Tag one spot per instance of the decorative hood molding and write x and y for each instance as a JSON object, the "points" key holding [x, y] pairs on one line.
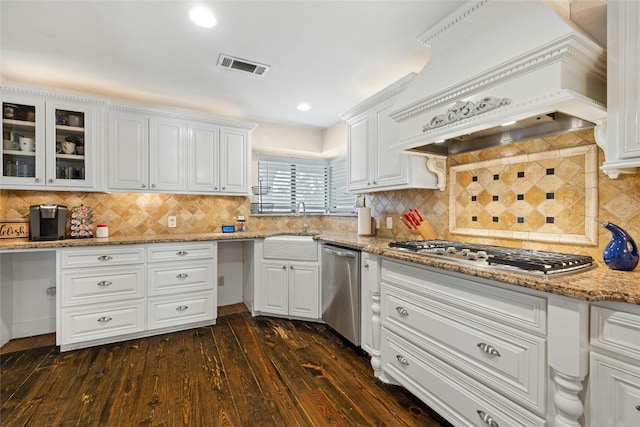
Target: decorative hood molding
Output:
{"points": [[494, 62]]}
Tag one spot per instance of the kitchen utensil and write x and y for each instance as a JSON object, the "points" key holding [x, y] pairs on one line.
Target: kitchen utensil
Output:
{"points": [[413, 219], [622, 252], [10, 111]]}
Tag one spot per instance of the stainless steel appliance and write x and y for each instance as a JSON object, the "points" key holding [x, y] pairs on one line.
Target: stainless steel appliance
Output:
{"points": [[47, 222], [498, 257], [341, 291]]}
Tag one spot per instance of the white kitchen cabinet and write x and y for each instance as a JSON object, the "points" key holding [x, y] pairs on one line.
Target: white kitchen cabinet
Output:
{"points": [[370, 304], [235, 161], [615, 365], [151, 152], [65, 132], [290, 289], [622, 143], [372, 165]]}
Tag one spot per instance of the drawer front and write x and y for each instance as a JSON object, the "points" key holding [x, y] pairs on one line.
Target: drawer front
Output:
{"points": [[102, 321], [102, 285], [77, 258], [171, 252], [473, 295], [179, 310], [180, 277], [616, 331], [513, 364], [458, 398]]}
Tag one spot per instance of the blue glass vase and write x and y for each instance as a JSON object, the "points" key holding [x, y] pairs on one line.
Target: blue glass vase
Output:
{"points": [[622, 252]]}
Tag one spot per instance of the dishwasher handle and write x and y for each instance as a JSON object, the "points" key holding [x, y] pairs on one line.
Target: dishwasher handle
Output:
{"points": [[340, 253]]}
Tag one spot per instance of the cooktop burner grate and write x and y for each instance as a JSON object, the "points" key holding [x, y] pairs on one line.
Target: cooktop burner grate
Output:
{"points": [[497, 256]]}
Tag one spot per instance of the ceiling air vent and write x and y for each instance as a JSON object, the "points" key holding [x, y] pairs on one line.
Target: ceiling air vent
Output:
{"points": [[237, 64]]}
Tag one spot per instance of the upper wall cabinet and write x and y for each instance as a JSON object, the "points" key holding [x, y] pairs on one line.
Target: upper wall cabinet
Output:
{"points": [[372, 165], [622, 143], [170, 153], [50, 141]]}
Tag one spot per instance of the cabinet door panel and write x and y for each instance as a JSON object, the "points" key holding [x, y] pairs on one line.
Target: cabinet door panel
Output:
{"points": [[615, 392], [204, 172], [303, 290], [128, 150], [358, 154], [166, 151], [234, 161], [275, 288], [390, 166]]}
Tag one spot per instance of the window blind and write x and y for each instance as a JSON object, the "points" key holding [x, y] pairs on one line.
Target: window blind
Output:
{"points": [[340, 200]]}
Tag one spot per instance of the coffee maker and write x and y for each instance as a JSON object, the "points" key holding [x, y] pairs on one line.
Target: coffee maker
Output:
{"points": [[47, 222]]}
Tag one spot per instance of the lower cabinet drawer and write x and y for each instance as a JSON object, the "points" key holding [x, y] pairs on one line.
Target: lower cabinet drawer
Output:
{"points": [[172, 310], [510, 363], [180, 277], [458, 398], [102, 321], [85, 286], [101, 257]]}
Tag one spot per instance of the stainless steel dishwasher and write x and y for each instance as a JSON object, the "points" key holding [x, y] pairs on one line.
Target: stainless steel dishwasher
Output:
{"points": [[341, 291]]}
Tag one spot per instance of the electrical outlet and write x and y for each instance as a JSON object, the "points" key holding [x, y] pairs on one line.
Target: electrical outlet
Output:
{"points": [[377, 223], [51, 292], [389, 223], [171, 222], [220, 280]]}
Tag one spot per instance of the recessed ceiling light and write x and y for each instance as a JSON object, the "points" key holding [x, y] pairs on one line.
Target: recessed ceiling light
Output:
{"points": [[304, 107], [508, 123], [202, 16], [439, 141]]}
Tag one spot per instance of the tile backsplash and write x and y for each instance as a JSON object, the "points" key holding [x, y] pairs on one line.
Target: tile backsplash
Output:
{"points": [[146, 214]]}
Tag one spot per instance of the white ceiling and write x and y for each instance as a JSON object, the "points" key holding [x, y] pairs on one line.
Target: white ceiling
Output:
{"points": [[330, 54]]}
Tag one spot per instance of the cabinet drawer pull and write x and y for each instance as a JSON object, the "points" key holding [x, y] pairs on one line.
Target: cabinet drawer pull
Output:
{"points": [[637, 407], [182, 276], [402, 311], [105, 319], [284, 267], [105, 258], [182, 253], [104, 283], [487, 419], [182, 307], [402, 360], [153, 186], [366, 266], [37, 179], [489, 349]]}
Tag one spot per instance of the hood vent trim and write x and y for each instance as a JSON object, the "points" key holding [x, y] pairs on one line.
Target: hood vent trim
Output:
{"points": [[228, 62], [555, 70]]}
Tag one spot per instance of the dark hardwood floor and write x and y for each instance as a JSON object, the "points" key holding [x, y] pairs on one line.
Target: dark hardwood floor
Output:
{"points": [[243, 371]]}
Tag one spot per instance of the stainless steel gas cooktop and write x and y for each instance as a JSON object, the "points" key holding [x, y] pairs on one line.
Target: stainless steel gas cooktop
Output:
{"points": [[498, 257]]}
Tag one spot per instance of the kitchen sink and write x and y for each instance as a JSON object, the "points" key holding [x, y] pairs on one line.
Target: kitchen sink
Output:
{"points": [[291, 246]]}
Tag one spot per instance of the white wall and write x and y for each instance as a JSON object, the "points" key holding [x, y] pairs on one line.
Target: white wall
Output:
{"points": [[6, 298], [334, 140]]}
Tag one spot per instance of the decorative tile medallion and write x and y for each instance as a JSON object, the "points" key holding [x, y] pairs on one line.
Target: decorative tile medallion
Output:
{"points": [[550, 196]]}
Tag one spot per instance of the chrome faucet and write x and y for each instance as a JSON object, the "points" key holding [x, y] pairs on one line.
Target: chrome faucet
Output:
{"points": [[304, 218]]}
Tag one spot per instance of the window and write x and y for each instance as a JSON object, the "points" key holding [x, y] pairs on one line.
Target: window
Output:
{"points": [[320, 184]]}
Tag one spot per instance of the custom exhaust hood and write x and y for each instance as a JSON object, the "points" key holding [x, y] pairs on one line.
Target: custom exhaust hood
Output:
{"points": [[501, 72]]}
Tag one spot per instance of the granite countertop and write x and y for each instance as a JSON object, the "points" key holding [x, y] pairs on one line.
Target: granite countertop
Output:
{"points": [[597, 284]]}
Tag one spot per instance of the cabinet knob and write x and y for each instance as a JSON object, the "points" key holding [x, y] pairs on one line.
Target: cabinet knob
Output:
{"points": [[50, 180], [104, 283], [366, 266], [489, 349], [291, 267], [105, 258], [487, 419], [374, 183], [215, 188], [37, 179], [402, 311], [182, 276], [637, 407], [402, 360], [153, 186], [224, 188], [182, 307], [284, 267], [105, 319], [144, 185]]}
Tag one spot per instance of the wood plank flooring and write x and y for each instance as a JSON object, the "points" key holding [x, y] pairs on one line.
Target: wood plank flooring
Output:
{"points": [[243, 371]]}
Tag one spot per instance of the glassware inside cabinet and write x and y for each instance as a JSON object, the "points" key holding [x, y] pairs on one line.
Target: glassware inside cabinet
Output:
{"points": [[18, 140], [70, 139]]}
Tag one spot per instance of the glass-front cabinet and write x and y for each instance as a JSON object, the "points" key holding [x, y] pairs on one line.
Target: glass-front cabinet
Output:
{"points": [[47, 142]]}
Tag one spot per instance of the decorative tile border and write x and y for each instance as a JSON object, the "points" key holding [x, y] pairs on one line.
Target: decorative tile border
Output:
{"points": [[548, 197]]}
